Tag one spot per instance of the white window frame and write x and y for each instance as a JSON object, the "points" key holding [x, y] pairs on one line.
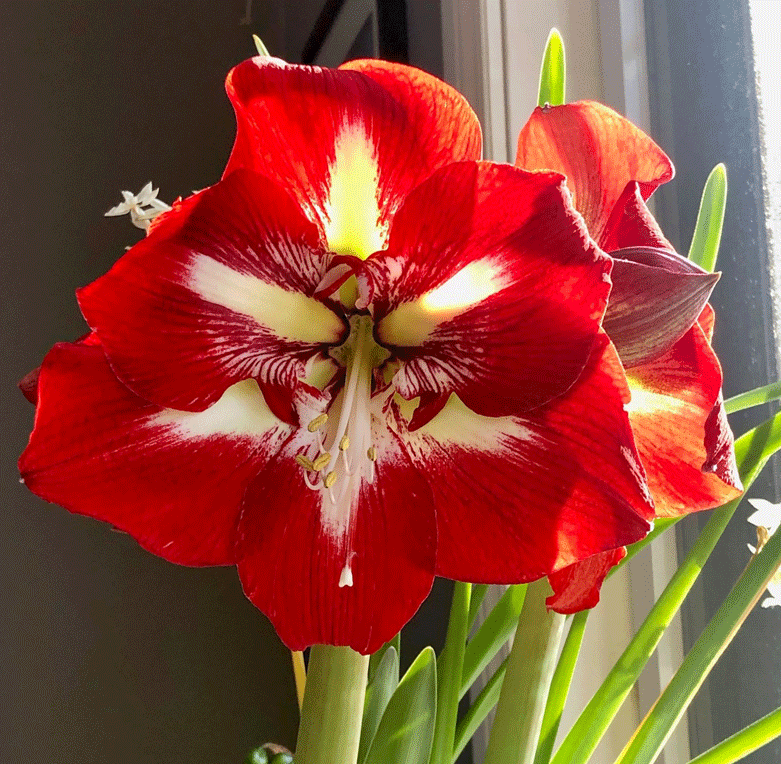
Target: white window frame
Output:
{"points": [[491, 53]]}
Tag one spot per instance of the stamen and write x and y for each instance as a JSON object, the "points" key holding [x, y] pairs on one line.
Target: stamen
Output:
{"points": [[372, 453], [346, 578], [321, 461], [315, 486], [317, 423], [346, 463], [344, 443], [329, 479], [306, 463]]}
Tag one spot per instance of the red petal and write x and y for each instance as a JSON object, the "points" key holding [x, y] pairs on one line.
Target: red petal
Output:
{"points": [[681, 431], [490, 288], [598, 150], [707, 320], [520, 497], [577, 586], [291, 566], [348, 144], [632, 224], [173, 480], [28, 384], [218, 292], [657, 296]]}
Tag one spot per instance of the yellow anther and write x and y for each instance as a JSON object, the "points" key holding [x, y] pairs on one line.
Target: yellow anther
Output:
{"points": [[305, 462], [344, 443], [317, 423], [321, 461], [329, 479], [372, 453]]}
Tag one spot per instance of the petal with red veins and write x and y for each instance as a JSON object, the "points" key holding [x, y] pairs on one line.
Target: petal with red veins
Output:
{"points": [[220, 291], [682, 435], [173, 480], [357, 589], [657, 296], [520, 497], [490, 288], [349, 144], [631, 224], [598, 150], [577, 586]]}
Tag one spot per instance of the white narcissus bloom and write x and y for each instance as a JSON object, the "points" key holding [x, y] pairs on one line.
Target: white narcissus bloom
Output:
{"points": [[767, 518]]}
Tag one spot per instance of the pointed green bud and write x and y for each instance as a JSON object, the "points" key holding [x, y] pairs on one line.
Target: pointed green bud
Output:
{"points": [[553, 71], [707, 232], [262, 49]]}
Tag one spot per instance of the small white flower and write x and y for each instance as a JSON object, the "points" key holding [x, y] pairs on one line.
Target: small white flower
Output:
{"points": [[767, 518], [135, 204]]}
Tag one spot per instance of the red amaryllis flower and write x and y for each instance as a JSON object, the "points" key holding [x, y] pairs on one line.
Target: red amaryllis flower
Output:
{"points": [[361, 359], [657, 318]]}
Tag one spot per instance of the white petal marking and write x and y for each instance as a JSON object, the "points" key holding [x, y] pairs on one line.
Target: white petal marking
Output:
{"points": [[413, 322], [353, 224], [241, 412], [289, 315], [457, 425]]}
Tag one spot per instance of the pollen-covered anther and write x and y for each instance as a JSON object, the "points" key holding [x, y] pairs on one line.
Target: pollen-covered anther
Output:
{"points": [[344, 443], [321, 461], [372, 453], [329, 479], [317, 423], [306, 463]]}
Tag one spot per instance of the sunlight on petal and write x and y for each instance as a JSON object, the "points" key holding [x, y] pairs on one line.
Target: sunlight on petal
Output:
{"points": [[413, 322], [353, 225]]}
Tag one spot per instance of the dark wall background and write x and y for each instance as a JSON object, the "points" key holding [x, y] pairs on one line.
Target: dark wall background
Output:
{"points": [[108, 654]]}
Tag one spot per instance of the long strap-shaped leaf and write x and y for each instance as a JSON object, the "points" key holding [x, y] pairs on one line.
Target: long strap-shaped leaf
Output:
{"points": [[407, 726], [753, 450], [755, 397], [741, 744], [661, 720]]}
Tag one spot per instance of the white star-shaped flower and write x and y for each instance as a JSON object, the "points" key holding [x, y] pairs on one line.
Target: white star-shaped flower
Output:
{"points": [[143, 206], [767, 518]]}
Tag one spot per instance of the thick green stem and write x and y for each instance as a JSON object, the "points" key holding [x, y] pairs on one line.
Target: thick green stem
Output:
{"points": [[562, 679], [449, 669], [333, 706], [525, 688]]}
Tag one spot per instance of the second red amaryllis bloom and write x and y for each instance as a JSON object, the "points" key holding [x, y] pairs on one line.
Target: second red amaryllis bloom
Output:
{"points": [[361, 359], [657, 317]]}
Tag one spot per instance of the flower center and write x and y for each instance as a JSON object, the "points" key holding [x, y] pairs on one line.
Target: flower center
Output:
{"points": [[346, 452]]}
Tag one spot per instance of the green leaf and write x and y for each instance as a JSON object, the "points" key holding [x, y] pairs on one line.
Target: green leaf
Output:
{"points": [[552, 71], [559, 689], [671, 705], [752, 451], [376, 658], [262, 49], [450, 669], [478, 595], [755, 397], [707, 232], [406, 730], [497, 628], [378, 694], [484, 703], [741, 744]]}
